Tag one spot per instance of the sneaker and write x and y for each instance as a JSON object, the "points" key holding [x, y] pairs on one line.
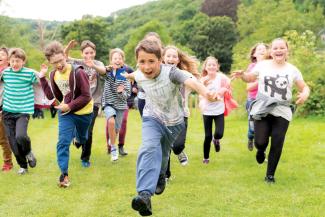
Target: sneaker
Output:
{"points": [[250, 145], [64, 181], [31, 159], [85, 163], [121, 150], [76, 143], [183, 159], [205, 161], [216, 143], [161, 184], [114, 154], [22, 171], [7, 167], [142, 203], [260, 156], [269, 179]]}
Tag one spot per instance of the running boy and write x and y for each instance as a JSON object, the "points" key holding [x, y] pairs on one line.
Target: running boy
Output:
{"points": [[162, 119], [70, 86]]}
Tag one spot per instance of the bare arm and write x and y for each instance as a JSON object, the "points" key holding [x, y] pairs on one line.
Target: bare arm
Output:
{"points": [[252, 85], [70, 45], [304, 92], [245, 76], [201, 89]]}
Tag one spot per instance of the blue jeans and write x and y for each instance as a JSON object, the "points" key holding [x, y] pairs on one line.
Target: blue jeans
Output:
{"points": [[157, 140], [250, 132], [70, 126]]}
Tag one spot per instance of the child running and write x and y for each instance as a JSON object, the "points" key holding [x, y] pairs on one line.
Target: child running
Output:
{"points": [[272, 110], [70, 86], [7, 158], [162, 120], [215, 112], [18, 105]]}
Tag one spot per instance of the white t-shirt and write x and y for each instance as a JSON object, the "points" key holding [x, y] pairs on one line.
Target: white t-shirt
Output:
{"points": [[276, 82]]}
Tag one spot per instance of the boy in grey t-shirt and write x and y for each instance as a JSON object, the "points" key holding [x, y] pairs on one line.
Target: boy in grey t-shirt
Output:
{"points": [[162, 119]]}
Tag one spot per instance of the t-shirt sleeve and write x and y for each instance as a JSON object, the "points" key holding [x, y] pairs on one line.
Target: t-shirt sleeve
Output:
{"points": [[256, 69], [178, 76], [297, 76]]}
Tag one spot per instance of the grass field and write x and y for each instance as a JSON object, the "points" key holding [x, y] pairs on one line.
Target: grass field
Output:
{"points": [[231, 185]]}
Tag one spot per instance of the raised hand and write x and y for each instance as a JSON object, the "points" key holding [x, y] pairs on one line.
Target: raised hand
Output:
{"points": [[43, 70], [89, 62], [237, 74]]}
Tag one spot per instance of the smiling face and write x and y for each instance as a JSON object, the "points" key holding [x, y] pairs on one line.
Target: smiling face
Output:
{"points": [[88, 53], [4, 61], [16, 63], [171, 57], [117, 60], [149, 64], [279, 51], [260, 52], [58, 61], [212, 66]]}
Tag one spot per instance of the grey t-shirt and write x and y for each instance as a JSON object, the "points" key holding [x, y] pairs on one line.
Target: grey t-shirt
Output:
{"points": [[275, 83], [162, 94], [96, 81]]}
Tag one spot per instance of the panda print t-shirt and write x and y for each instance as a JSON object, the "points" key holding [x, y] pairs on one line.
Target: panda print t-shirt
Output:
{"points": [[276, 82]]}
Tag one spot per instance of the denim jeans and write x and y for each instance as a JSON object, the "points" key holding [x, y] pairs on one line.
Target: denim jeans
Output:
{"points": [[70, 126], [157, 140]]}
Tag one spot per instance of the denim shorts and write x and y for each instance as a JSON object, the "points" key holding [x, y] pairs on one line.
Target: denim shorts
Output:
{"points": [[116, 113]]}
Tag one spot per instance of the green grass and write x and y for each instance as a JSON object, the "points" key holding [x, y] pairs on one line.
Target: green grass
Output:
{"points": [[231, 185]]}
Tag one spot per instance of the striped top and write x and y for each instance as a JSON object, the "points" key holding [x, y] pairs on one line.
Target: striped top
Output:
{"points": [[18, 94]]}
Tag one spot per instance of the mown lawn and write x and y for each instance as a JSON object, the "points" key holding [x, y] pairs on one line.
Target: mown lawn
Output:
{"points": [[231, 185]]}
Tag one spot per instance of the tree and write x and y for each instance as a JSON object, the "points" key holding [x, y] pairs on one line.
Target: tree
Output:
{"points": [[220, 8]]}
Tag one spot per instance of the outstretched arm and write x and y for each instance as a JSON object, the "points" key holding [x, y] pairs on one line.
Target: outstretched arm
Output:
{"points": [[70, 45], [201, 89], [245, 76], [304, 92]]}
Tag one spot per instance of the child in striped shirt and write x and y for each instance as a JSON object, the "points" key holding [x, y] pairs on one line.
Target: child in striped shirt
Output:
{"points": [[18, 105]]}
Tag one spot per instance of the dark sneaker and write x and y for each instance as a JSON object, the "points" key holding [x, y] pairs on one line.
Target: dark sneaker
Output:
{"points": [[269, 179], [31, 159], [183, 159], [161, 184], [121, 150], [216, 143], [260, 156], [64, 181], [76, 143], [205, 161], [142, 203], [85, 163], [250, 145]]}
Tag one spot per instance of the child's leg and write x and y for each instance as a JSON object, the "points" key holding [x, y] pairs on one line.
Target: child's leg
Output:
{"points": [[5, 144], [66, 134], [219, 122], [262, 133], [122, 132], [179, 144], [86, 147], [149, 156], [207, 121], [22, 138], [141, 104], [82, 123], [10, 127], [110, 114], [279, 130]]}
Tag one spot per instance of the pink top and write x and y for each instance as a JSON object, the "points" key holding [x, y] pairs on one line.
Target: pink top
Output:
{"points": [[251, 94]]}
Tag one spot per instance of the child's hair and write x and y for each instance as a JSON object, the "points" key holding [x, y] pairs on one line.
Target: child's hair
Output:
{"points": [[53, 48], [253, 50], [17, 53], [153, 36], [116, 50], [186, 62], [148, 46], [87, 43], [280, 39], [204, 71], [5, 50]]}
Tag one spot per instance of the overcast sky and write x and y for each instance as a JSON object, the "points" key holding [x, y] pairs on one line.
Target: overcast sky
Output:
{"points": [[63, 10]]}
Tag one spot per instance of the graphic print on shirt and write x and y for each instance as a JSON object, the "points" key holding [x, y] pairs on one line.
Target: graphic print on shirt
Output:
{"points": [[278, 84]]}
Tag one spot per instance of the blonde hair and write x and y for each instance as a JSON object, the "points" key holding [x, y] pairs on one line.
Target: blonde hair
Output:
{"points": [[17, 53], [116, 50], [204, 71], [186, 62], [253, 50]]}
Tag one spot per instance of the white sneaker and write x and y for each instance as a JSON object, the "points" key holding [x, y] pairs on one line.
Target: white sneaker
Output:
{"points": [[22, 171], [183, 159], [114, 154]]}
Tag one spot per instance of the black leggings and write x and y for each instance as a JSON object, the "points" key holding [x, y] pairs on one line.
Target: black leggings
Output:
{"points": [[276, 128], [219, 122]]}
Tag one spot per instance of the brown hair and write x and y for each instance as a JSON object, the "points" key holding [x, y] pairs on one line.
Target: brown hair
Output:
{"points": [[148, 46], [4, 49], [17, 53], [253, 50], [204, 71], [116, 50], [53, 48], [87, 43], [153, 36], [280, 39], [186, 62]]}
